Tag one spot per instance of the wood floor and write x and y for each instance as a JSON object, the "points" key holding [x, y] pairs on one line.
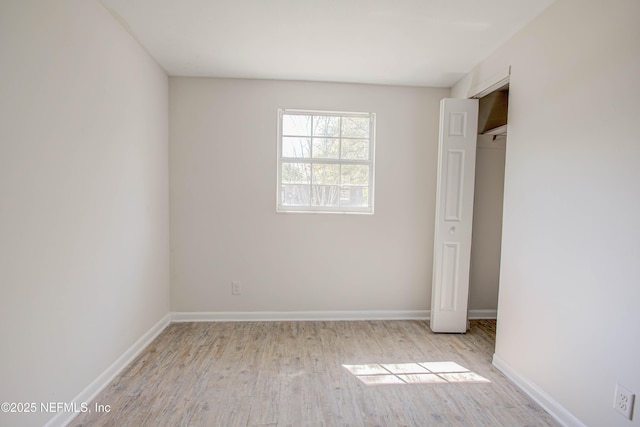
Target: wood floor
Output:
{"points": [[294, 374]]}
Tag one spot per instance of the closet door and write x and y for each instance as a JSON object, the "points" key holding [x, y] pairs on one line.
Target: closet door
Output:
{"points": [[454, 215]]}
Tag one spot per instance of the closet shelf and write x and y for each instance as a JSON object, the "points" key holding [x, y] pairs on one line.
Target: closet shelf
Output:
{"points": [[500, 130]]}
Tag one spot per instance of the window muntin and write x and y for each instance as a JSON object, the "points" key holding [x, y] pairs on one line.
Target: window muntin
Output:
{"points": [[325, 161]]}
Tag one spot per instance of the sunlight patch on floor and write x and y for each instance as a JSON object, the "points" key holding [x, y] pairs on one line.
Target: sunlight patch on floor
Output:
{"points": [[414, 373]]}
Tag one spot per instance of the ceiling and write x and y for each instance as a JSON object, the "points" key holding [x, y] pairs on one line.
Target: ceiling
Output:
{"points": [[396, 42]]}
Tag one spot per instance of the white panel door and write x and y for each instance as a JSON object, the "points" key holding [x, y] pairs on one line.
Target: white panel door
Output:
{"points": [[454, 214]]}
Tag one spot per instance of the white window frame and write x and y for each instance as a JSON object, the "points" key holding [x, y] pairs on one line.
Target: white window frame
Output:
{"points": [[281, 208]]}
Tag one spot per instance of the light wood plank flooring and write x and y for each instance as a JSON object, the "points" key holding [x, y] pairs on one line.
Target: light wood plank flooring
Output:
{"points": [[293, 374]]}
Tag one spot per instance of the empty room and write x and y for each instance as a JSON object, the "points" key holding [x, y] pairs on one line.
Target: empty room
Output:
{"points": [[319, 213]]}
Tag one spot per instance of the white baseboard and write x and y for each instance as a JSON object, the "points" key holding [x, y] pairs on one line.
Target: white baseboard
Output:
{"points": [[97, 385], [247, 316], [549, 404], [483, 314]]}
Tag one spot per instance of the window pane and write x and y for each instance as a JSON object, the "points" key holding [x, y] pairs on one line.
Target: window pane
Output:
{"points": [[326, 126], [325, 195], [326, 174], [355, 149], [296, 173], [325, 161], [355, 127], [354, 197], [295, 195], [326, 148], [296, 147], [355, 175], [294, 124]]}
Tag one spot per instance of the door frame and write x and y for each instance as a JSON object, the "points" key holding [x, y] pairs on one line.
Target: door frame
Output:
{"points": [[495, 82]]}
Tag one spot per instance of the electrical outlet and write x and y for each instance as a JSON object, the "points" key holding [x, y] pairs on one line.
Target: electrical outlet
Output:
{"points": [[624, 401], [236, 288]]}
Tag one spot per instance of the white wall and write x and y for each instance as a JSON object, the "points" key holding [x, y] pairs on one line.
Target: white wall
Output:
{"points": [[223, 196], [484, 274], [569, 305], [84, 249]]}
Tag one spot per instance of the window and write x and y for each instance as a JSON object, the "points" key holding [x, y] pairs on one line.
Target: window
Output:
{"points": [[325, 161]]}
